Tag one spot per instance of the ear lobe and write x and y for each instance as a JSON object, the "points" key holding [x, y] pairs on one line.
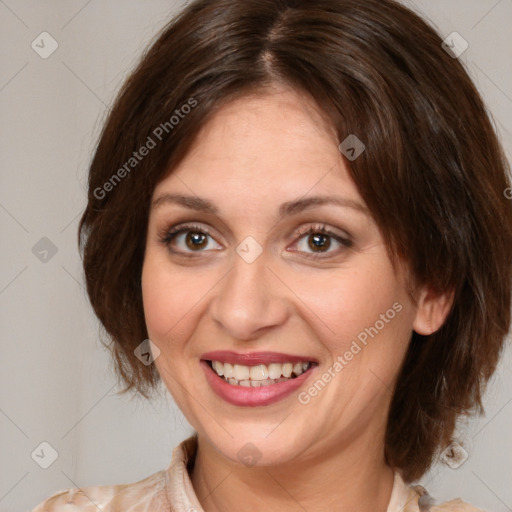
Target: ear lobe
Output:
{"points": [[433, 308]]}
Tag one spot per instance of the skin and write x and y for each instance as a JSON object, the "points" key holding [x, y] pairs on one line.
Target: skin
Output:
{"points": [[256, 153]]}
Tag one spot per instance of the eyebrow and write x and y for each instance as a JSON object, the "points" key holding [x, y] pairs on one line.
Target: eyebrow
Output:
{"points": [[286, 209]]}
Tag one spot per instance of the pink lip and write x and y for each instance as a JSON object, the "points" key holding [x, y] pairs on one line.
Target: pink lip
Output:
{"points": [[253, 397], [254, 358]]}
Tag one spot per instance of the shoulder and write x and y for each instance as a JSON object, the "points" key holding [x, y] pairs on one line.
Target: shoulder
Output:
{"points": [[147, 494], [456, 505], [424, 502]]}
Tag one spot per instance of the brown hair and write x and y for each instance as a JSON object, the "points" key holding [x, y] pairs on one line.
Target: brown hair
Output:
{"points": [[433, 175]]}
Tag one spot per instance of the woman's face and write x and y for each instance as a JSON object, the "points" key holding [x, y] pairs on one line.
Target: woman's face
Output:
{"points": [[275, 257]]}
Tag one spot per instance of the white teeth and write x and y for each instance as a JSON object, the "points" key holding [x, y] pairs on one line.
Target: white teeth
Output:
{"points": [[241, 372], [287, 369], [228, 370], [259, 375], [259, 372], [218, 367], [297, 368], [274, 370]]}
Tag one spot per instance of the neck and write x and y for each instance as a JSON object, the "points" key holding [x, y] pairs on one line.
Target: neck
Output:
{"points": [[342, 479]]}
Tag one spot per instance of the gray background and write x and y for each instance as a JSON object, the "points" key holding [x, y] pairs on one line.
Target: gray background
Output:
{"points": [[56, 381]]}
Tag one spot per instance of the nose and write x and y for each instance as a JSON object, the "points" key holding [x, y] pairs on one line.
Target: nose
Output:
{"points": [[250, 300]]}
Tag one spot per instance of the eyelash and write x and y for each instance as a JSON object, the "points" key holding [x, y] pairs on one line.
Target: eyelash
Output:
{"points": [[168, 235], [321, 229]]}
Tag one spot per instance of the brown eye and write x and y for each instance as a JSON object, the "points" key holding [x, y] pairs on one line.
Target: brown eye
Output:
{"points": [[196, 240], [188, 239], [319, 242]]}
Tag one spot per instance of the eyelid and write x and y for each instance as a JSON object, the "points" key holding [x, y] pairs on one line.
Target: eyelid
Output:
{"points": [[167, 234], [322, 228], [345, 240]]}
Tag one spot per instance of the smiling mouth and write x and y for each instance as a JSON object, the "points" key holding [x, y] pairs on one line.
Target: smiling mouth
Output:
{"points": [[259, 375]]}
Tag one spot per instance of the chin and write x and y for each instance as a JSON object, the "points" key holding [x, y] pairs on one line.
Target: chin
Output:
{"points": [[257, 446]]}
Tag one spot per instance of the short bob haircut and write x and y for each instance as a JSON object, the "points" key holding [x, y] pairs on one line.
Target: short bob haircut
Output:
{"points": [[433, 176]]}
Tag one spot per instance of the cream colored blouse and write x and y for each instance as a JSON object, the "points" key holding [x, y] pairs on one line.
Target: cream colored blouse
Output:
{"points": [[171, 490]]}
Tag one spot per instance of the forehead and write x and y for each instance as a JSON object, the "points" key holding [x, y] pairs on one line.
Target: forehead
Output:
{"points": [[274, 140]]}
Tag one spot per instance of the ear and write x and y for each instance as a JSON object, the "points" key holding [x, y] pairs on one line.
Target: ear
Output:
{"points": [[433, 308]]}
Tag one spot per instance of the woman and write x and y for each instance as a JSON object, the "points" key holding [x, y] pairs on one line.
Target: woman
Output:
{"points": [[302, 205]]}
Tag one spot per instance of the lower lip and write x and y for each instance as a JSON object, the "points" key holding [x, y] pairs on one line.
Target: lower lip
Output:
{"points": [[253, 397]]}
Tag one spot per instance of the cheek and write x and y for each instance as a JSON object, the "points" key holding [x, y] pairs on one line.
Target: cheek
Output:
{"points": [[168, 298], [347, 301]]}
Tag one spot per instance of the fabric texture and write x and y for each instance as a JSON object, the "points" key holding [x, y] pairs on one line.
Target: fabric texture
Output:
{"points": [[171, 490]]}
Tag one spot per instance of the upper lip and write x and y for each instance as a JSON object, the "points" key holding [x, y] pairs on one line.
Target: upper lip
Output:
{"points": [[254, 358]]}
